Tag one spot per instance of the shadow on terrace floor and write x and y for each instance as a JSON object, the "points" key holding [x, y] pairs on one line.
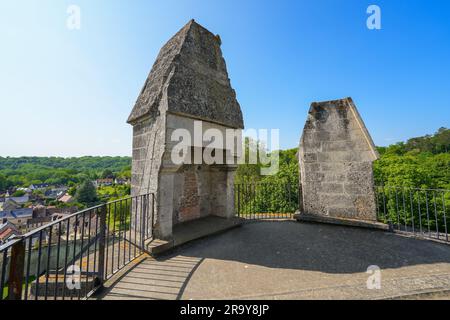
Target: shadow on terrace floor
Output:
{"points": [[317, 247], [254, 257], [150, 279]]}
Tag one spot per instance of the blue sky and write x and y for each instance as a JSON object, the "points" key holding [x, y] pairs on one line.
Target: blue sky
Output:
{"points": [[68, 92]]}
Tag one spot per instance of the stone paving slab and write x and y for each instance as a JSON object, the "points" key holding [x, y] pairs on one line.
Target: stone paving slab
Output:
{"points": [[288, 260], [151, 279]]}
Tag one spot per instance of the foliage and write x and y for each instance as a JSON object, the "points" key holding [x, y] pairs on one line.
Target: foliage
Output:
{"points": [[115, 192], [434, 144], [276, 193], [107, 174], [18, 193], [24, 171], [87, 194], [422, 162]]}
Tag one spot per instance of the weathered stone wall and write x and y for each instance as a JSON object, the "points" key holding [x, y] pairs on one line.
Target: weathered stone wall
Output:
{"points": [[148, 151], [336, 154]]}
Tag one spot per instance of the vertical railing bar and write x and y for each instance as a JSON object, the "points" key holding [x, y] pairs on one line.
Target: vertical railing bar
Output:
{"points": [[404, 209], [16, 270], [289, 195], [58, 251], [47, 273], [252, 197], [38, 266], [239, 200], [102, 244], [412, 210], [120, 231], [445, 216], [384, 203], [66, 256], [86, 291], [113, 238], [420, 212], [377, 202], [153, 213], [428, 213], [74, 246], [108, 227], [247, 196], [83, 222], [246, 201], [149, 218], [94, 268], [130, 241], [257, 214], [27, 276], [144, 220], [436, 215], [135, 223], [124, 232], [390, 218], [3, 277], [141, 223], [397, 209]]}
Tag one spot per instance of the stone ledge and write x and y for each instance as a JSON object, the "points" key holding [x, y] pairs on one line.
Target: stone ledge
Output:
{"points": [[300, 217], [192, 230]]}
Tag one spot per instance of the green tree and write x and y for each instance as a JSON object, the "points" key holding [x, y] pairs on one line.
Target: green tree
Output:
{"points": [[107, 174], [3, 183], [86, 194], [18, 193]]}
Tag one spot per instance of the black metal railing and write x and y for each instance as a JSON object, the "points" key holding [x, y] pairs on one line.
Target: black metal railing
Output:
{"points": [[72, 257], [261, 200], [417, 211]]}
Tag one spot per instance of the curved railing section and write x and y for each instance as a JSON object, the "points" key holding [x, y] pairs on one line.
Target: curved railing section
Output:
{"points": [[72, 257], [417, 211]]}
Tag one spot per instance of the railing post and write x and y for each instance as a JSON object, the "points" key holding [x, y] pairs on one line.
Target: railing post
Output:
{"points": [[102, 246], [16, 269], [153, 215], [239, 200], [300, 198], [144, 220]]}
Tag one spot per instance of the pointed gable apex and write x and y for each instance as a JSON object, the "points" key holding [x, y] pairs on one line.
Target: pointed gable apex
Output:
{"points": [[189, 77]]}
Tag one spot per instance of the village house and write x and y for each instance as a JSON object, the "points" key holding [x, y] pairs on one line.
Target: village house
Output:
{"points": [[55, 193], [7, 231], [66, 198], [90, 225], [26, 190], [9, 204], [120, 181], [18, 217], [39, 186], [20, 200], [103, 182]]}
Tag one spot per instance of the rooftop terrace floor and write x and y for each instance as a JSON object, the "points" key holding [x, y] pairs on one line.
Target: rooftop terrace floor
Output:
{"points": [[289, 260]]}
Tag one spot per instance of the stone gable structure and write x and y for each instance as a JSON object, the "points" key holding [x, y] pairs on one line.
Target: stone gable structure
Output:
{"points": [[336, 154], [188, 83]]}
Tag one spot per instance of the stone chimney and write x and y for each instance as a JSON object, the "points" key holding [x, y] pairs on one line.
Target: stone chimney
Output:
{"points": [[188, 85]]}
